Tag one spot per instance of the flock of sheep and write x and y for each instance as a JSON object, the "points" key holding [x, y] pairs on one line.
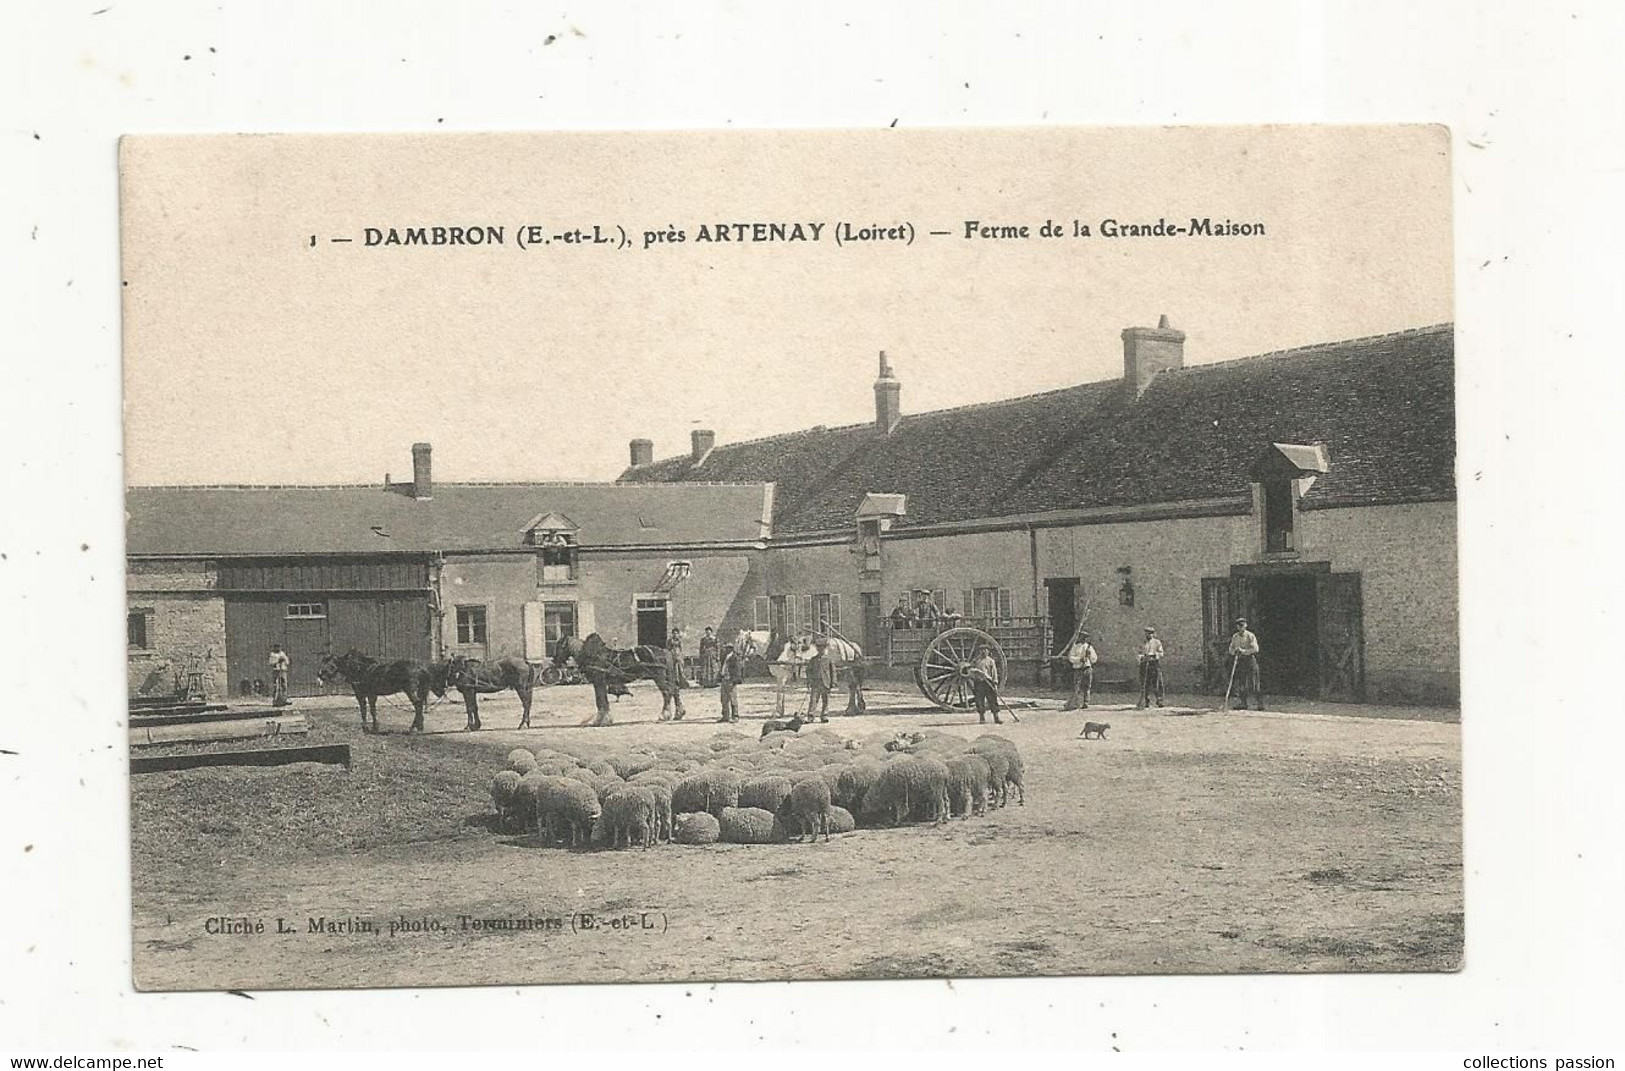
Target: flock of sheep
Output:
{"points": [[742, 791]]}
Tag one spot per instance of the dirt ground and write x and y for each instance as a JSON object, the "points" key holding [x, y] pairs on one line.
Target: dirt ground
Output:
{"points": [[1184, 842]]}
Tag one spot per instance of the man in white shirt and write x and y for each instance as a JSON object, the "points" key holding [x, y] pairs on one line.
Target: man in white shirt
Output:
{"points": [[984, 683], [1081, 656], [1244, 652], [1150, 669], [278, 664]]}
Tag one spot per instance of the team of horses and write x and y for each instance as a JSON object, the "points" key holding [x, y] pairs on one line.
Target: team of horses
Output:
{"points": [[608, 669]]}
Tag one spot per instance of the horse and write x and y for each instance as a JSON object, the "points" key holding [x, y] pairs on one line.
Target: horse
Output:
{"points": [[473, 676], [369, 678], [799, 650], [599, 662]]}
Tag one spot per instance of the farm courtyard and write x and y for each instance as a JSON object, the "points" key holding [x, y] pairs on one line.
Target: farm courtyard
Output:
{"points": [[1327, 838]]}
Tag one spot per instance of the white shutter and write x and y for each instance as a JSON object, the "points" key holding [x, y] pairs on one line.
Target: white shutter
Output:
{"points": [[1004, 604], [809, 619], [584, 620], [764, 613], [535, 634], [834, 609]]}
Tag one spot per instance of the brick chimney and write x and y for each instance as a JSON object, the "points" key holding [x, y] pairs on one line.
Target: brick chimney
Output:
{"points": [[643, 452], [700, 444], [422, 484], [888, 399], [1149, 350]]}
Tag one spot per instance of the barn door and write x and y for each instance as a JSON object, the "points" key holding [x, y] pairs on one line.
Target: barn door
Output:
{"points": [[1341, 612], [1216, 592]]}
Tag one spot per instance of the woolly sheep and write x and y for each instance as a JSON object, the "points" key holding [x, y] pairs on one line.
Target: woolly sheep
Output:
{"points": [[765, 792], [746, 825], [697, 828], [808, 808], [661, 790], [777, 739], [998, 762], [708, 789], [521, 761], [570, 808], [912, 787], [968, 777], [504, 795], [629, 815], [841, 821], [1016, 769], [855, 780]]}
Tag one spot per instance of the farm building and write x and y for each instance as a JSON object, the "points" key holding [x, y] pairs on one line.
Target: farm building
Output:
{"points": [[420, 570], [1310, 490]]}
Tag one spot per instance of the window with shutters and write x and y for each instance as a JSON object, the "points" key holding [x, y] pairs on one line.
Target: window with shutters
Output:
{"points": [[471, 625], [988, 605], [558, 621], [825, 610]]}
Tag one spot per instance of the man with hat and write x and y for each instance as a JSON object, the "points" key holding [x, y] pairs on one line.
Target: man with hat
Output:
{"points": [[820, 680], [1150, 669], [730, 678], [1081, 656], [1244, 653]]}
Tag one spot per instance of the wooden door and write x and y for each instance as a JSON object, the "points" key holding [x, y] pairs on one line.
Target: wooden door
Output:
{"points": [[1341, 612]]}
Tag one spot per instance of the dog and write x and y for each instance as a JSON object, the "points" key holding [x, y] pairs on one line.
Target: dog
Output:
{"points": [[1095, 730]]}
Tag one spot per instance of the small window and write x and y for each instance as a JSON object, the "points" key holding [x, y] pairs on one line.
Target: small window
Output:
{"points": [[558, 621], [764, 613], [1278, 537], [823, 610], [137, 628], [471, 625], [556, 561], [306, 610]]}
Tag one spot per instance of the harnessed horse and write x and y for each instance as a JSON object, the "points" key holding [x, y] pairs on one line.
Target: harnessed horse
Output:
{"points": [[599, 662], [369, 678], [472, 677]]}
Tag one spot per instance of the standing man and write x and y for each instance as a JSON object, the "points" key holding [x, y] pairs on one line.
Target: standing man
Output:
{"points": [[1081, 656], [731, 676], [901, 616], [820, 680], [708, 658], [1244, 650], [279, 664], [984, 685], [674, 674], [926, 614], [1150, 669]]}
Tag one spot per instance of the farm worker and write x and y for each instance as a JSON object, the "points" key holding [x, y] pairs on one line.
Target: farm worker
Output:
{"points": [[708, 658], [674, 674], [1150, 669], [279, 675], [1081, 656], [1244, 650], [731, 677], [950, 617], [820, 680], [927, 612], [901, 616], [984, 685]]}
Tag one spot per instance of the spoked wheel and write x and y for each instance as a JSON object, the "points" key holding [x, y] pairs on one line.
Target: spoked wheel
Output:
{"points": [[944, 672], [552, 675]]}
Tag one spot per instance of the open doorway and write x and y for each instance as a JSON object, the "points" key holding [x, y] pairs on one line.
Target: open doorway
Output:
{"points": [[1287, 626], [653, 630]]}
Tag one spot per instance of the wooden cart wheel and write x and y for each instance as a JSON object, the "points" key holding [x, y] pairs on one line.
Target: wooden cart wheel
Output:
{"points": [[944, 671]]}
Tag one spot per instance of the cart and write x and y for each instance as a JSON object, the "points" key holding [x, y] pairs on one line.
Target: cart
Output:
{"points": [[948, 664]]}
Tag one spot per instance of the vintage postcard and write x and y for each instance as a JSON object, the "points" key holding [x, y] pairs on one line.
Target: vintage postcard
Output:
{"points": [[612, 557]]}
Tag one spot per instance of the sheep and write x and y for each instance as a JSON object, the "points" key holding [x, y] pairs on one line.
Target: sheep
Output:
{"points": [[808, 808], [831, 773], [747, 825], [764, 792], [661, 790], [696, 828], [709, 789], [968, 777], [998, 762], [777, 739], [912, 786], [855, 780], [570, 808], [792, 725], [841, 820], [521, 761], [1016, 769], [504, 794], [629, 815]]}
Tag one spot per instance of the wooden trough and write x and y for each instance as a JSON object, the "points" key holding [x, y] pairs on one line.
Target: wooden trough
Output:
{"points": [[142, 719], [219, 729], [332, 754]]}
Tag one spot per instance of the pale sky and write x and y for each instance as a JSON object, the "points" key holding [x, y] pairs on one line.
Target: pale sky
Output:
{"points": [[253, 358]]}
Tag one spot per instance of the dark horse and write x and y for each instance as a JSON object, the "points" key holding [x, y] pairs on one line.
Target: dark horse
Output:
{"points": [[473, 676], [605, 666], [370, 678]]}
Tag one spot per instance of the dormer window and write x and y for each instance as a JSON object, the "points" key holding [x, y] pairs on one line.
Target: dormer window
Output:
{"points": [[1281, 476], [554, 537]]}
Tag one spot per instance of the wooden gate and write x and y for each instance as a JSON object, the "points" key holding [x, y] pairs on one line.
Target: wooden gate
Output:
{"points": [[1224, 598], [1341, 611]]}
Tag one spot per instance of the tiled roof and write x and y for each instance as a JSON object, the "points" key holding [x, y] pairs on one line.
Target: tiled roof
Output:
{"points": [[459, 517], [1382, 407]]}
